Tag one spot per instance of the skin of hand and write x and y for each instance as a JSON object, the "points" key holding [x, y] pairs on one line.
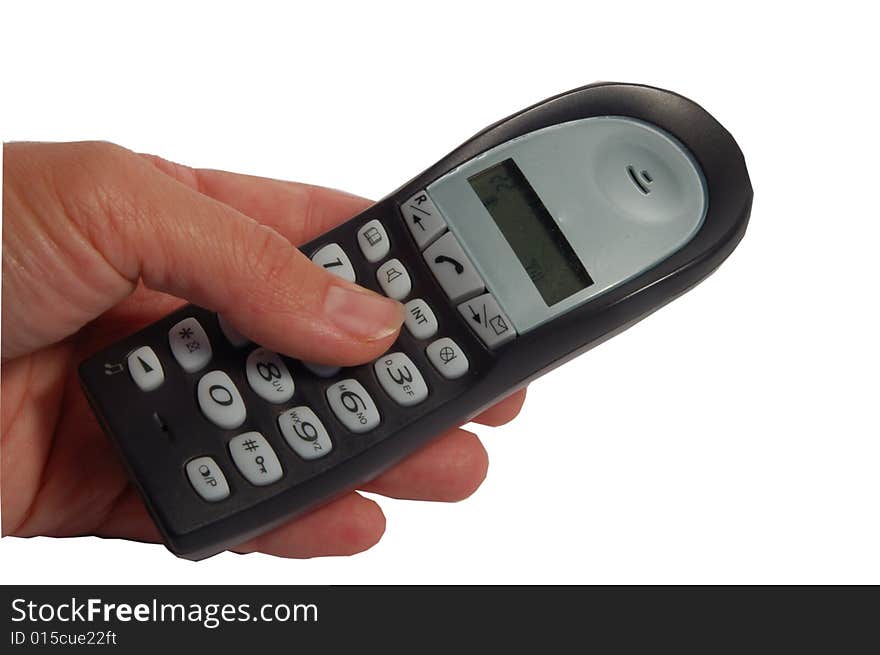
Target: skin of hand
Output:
{"points": [[98, 242]]}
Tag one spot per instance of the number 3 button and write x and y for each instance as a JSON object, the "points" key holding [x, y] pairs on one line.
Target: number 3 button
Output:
{"points": [[220, 400], [268, 376], [401, 379]]}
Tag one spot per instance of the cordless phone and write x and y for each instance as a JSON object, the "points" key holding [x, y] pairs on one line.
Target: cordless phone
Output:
{"points": [[540, 237]]}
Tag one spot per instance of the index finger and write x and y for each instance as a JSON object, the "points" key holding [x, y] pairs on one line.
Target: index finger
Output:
{"points": [[274, 203]]}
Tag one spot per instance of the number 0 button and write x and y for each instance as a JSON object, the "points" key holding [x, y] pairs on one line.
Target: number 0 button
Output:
{"points": [[220, 400], [353, 406], [268, 376]]}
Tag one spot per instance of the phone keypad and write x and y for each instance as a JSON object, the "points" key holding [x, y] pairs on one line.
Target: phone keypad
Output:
{"points": [[314, 429]]}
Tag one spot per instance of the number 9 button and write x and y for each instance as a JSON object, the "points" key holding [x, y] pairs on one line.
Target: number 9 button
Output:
{"points": [[304, 432]]}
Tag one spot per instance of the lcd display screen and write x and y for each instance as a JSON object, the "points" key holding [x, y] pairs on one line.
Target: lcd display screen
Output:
{"points": [[528, 227]]}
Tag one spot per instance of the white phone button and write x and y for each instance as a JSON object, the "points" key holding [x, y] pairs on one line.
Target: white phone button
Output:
{"points": [[452, 268], [322, 370], [220, 400], [233, 336], [485, 317], [146, 369], [255, 459], [268, 376], [448, 358], [207, 479], [353, 406], [333, 258], [420, 319], [373, 241], [304, 432], [401, 379], [190, 345], [423, 218], [394, 279]]}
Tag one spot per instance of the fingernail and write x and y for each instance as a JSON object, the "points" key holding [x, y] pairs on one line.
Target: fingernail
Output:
{"points": [[362, 313]]}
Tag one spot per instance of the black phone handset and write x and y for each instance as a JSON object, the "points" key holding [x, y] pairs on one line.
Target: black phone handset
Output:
{"points": [[540, 237]]}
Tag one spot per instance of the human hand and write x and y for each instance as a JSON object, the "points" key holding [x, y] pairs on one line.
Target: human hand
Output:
{"points": [[99, 242]]}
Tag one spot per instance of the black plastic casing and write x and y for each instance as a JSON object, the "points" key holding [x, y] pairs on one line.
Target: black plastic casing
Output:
{"points": [[155, 455]]}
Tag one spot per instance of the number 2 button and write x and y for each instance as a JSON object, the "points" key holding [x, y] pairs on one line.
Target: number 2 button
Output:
{"points": [[401, 379], [353, 406]]}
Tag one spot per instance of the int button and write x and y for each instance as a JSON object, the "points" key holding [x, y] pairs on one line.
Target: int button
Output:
{"points": [[420, 319]]}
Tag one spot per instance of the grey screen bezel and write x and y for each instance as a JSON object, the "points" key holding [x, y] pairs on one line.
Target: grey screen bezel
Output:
{"points": [[578, 171]]}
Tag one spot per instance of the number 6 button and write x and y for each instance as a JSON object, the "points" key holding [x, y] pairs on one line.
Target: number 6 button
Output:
{"points": [[220, 400], [401, 379], [353, 406]]}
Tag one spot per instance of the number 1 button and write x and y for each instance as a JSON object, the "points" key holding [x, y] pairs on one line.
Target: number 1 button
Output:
{"points": [[333, 258]]}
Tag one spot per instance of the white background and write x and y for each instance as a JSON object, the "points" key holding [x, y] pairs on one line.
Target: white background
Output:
{"points": [[731, 437]]}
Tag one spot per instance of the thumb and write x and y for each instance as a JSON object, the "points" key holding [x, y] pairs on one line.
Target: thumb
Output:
{"points": [[105, 218]]}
